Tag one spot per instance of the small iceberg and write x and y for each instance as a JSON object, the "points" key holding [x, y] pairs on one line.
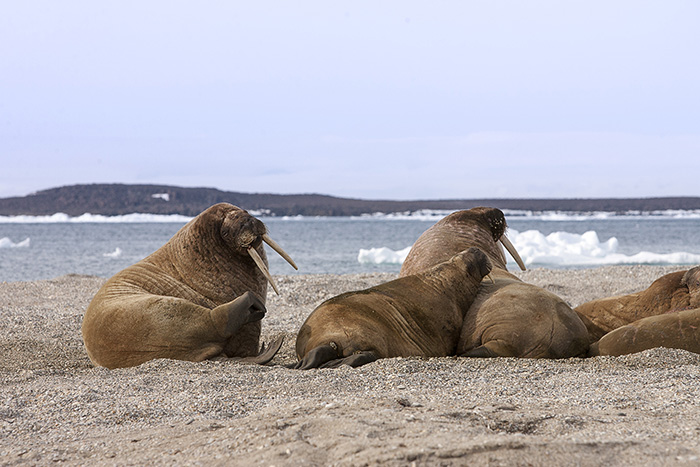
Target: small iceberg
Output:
{"points": [[7, 243], [115, 254], [382, 255]]}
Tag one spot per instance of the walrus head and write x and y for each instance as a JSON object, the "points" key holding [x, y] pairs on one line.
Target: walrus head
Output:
{"points": [[244, 233], [480, 227], [492, 220]]}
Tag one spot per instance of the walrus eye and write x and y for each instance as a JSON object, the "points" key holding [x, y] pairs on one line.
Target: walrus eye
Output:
{"points": [[513, 252]]}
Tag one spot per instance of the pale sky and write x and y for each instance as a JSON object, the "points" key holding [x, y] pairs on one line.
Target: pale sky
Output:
{"points": [[366, 99]]}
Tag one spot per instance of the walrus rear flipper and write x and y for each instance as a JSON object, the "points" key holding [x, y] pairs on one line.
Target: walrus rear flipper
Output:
{"points": [[326, 356], [265, 355]]}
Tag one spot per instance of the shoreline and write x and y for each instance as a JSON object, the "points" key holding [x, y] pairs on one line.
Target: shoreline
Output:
{"points": [[637, 409]]}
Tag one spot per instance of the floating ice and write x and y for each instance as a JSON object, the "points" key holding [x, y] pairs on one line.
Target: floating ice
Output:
{"points": [[554, 216], [7, 243], [61, 218], [382, 255], [558, 249], [420, 215], [568, 249], [115, 254]]}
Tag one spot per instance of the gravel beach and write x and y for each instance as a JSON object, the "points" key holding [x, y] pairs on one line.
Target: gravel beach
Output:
{"points": [[55, 407]]}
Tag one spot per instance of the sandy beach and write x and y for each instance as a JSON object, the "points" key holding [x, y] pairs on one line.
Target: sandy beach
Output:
{"points": [[55, 407]]}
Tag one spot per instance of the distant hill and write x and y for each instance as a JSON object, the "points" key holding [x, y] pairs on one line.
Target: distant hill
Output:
{"points": [[116, 199]]}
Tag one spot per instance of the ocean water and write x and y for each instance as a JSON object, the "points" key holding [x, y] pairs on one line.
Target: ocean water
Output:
{"points": [[33, 248]]}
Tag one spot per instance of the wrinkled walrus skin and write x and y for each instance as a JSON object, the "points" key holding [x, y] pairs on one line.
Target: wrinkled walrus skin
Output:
{"points": [[417, 315], [673, 292], [199, 296], [666, 314], [508, 318], [675, 330]]}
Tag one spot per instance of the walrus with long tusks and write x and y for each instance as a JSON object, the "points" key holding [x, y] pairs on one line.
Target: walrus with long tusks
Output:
{"points": [[199, 296], [417, 315], [666, 314], [508, 318]]}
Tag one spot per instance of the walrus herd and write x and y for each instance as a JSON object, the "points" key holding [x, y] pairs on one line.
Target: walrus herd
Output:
{"points": [[202, 296]]}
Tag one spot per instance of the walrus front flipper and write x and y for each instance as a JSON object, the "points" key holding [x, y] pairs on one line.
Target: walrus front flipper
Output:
{"points": [[317, 357], [490, 349], [354, 360], [244, 309], [265, 355], [326, 356]]}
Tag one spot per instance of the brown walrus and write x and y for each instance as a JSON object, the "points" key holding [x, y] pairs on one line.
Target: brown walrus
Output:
{"points": [[508, 318], [666, 314], [675, 330], [199, 296], [417, 315], [673, 292]]}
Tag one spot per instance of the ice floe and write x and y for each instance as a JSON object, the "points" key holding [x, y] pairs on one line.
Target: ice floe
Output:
{"points": [[5, 242], [558, 249]]}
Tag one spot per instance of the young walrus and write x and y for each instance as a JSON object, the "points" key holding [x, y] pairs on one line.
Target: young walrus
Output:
{"points": [[676, 291], [508, 318], [666, 314], [199, 296], [417, 315]]}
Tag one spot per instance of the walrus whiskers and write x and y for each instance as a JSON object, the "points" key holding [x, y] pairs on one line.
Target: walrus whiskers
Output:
{"points": [[266, 238], [261, 265]]}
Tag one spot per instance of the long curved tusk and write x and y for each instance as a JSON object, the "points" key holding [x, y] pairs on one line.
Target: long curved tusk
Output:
{"points": [[261, 264], [273, 244], [513, 252]]}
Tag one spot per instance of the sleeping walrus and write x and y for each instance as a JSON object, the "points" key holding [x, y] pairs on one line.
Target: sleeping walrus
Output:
{"points": [[666, 314], [417, 315], [508, 318], [199, 296]]}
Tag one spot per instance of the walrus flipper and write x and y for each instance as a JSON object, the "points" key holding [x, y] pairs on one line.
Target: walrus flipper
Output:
{"points": [[490, 349], [265, 355], [244, 309], [355, 360], [326, 356]]}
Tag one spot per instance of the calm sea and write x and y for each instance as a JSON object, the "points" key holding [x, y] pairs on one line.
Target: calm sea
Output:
{"points": [[44, 248]]}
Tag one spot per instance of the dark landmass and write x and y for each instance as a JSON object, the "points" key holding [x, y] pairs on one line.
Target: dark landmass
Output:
{"points": [[117, 199]]}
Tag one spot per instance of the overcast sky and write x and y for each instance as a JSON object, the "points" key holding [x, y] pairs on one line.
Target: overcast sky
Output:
{"points": [[366, 99]]}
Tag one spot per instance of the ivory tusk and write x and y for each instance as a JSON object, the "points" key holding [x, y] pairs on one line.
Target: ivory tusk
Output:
{"points": [[513, 252], [273, 244], [261, 264]]}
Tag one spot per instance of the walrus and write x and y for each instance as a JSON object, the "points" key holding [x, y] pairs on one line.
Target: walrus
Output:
{"points": [[665, 314], [417, 315], [508, 318], [674, 330], [201, 295], [672, 292]]}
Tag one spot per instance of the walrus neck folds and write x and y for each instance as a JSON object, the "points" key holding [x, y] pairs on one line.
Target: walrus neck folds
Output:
{"points": [[184, 255]]}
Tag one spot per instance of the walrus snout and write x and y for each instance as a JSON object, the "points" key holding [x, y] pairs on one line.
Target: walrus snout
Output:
{"points": [[244, 234], [241, 231]]}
